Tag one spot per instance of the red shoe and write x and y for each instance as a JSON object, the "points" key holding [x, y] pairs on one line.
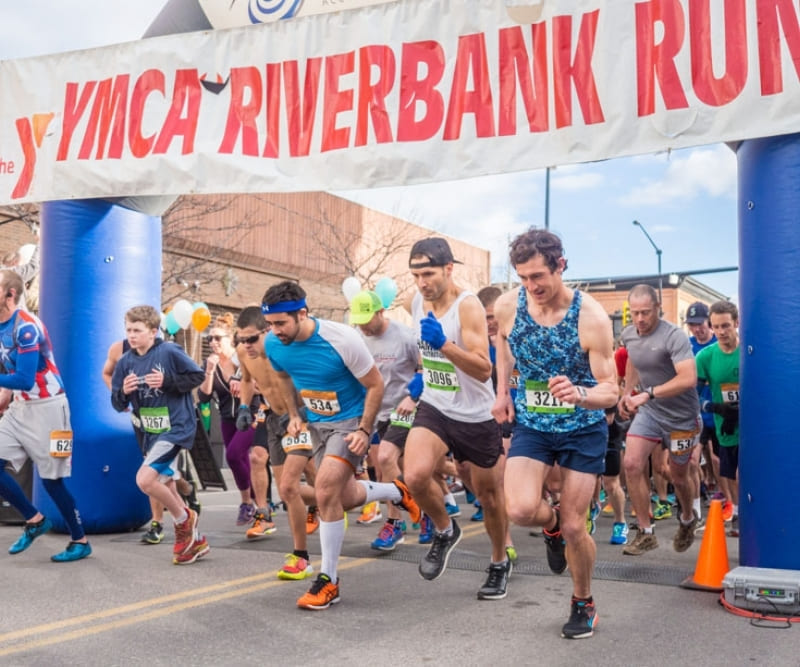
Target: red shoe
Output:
{"points": [[198, 549], [727, 510], [185, 533]]}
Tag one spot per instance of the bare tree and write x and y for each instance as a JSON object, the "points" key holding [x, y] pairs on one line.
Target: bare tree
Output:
{"points": [[185, 235], [27, 213]]}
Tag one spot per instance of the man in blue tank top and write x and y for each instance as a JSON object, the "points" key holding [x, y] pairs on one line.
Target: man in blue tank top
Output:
{"points": [[562, 343]]}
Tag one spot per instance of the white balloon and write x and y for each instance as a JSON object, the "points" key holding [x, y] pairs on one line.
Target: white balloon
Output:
{"points": [[350, 287], [182, 310]]}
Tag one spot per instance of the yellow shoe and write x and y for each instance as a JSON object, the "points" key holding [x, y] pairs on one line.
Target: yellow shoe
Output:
{"points": [[295, 568], [370, 513]]}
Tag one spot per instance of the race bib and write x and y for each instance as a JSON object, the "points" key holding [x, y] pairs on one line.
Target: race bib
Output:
{"points": [[155, 420], [730, 392], [261, 414], [60, 444], [403, 421], [300, 442], [681, 442], [539, 399], [324, 403], [440, 375]]}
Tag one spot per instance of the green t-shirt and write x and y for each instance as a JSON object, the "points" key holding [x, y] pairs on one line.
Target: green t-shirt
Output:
{"points": [[721, 370]]}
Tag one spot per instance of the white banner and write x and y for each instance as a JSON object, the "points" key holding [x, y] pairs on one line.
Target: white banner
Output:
{"points": [[403, 92], [232, 14]]}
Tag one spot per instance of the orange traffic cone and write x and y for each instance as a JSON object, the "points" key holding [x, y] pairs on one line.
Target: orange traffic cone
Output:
{"points": [[712, 562]]}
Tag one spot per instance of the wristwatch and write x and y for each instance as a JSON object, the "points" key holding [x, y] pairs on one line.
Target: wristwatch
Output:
{"points": [[650, 393]]}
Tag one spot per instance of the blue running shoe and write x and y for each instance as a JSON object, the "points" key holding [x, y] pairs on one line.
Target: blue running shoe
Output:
{"points": [[31, 532], [74, 551], [389, 537], [425, 530], [478, 516], [470, 497], [619, 533], [453, 510]]}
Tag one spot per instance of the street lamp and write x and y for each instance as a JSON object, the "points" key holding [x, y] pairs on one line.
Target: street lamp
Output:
{"points": [[547, 198], [658, 256]]}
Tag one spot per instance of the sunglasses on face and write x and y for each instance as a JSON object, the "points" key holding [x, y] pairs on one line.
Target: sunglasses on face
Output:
{"points": [[248, 340], [217, 338]]}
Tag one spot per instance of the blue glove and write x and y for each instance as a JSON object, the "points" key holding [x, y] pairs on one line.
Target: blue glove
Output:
{"points": [[244, 418], [415, 386], [431, 331]]}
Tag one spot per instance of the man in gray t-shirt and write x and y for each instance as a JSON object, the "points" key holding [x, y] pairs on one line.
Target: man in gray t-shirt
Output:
{"points": [[661, 396]]}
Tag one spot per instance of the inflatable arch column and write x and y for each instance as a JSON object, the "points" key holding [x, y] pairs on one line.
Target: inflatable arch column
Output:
{"points": [[769, 455], [98, 259]]}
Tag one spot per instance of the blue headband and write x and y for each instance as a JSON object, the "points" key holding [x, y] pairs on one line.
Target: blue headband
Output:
{"points": [[282, 307]]}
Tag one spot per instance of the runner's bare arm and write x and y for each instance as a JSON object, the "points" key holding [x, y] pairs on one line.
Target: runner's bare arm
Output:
{"points": [[246, 386], [473, 357], [358, 441], [373, 381], [505, 313], [114, 353], [288, 392], [599, 338]]}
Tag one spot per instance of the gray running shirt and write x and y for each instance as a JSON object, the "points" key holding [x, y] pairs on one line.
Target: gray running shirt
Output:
{"points": [[654, 357], [397, 356]]}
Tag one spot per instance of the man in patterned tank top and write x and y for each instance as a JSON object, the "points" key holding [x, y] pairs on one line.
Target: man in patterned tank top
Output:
{"points": [[562, 343]]}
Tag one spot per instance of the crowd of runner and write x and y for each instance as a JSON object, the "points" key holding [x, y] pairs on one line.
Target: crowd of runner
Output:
{"points": [[523, 399]]}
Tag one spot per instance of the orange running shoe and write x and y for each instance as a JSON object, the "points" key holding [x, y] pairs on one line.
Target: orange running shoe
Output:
{"points": [[312, 520], [370, 513], [261, 527], [407, 502], [322, 594]]}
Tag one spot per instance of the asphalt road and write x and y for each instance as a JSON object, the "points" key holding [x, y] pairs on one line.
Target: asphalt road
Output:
{"points": [[128, 605]]}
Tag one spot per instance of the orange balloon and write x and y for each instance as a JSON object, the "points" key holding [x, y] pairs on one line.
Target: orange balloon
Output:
{"points": [[201, 318]]}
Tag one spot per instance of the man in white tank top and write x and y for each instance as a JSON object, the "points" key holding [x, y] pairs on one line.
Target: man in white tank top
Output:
{"points": [[454, 413]]}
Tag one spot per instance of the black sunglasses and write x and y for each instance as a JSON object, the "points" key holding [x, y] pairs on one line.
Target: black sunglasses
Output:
{"points": [[216, 338], [249, 340]]}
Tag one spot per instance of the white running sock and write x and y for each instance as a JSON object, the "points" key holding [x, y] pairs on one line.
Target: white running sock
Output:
{"points": [[331, 537], [380, 491]]}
